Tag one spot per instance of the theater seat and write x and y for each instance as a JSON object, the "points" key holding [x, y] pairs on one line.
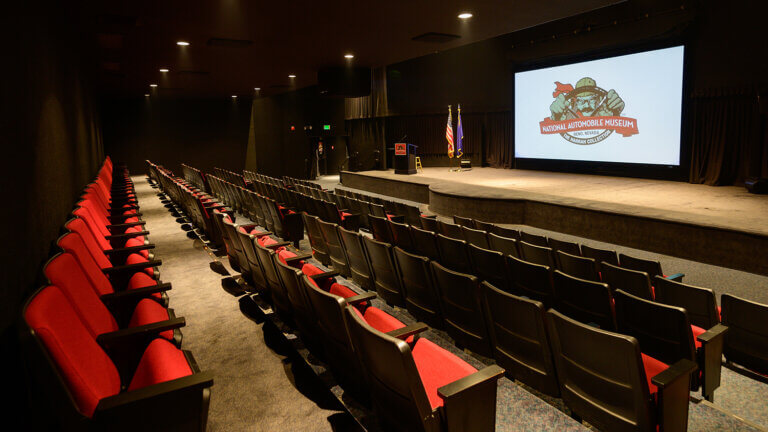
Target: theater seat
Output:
{"points": [[605, 380], [174, 393], [746, 342], [665, 333], [65, 272], [385, 274], [422, 386], [585, 301], [635, 282], [520, 339], [421, 297]]}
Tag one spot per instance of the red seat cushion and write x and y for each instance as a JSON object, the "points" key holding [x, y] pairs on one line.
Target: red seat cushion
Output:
{"points": [[266, 241], [284, 254], [697, 331], [652, 368], [135, 258], [142, 280], [341, 291], [86, 369], [437, 367], [161, 362], [149, 312]]}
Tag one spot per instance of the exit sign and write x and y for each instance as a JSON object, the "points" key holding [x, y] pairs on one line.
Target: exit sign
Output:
{"points": [[326, 127]]}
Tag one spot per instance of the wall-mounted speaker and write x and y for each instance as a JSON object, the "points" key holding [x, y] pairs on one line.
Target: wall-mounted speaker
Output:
{"points": [[342, 81]]}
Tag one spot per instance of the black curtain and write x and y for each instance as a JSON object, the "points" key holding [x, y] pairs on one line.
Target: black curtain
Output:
{"points": [[728, 138], [499, 151], [367, 143]]}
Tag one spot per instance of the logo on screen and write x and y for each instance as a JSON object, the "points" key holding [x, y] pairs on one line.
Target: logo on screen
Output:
{"points": [[586, 114]]}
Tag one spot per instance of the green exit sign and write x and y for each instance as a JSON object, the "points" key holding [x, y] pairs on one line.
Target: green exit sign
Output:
{"points": [[326, 127]]}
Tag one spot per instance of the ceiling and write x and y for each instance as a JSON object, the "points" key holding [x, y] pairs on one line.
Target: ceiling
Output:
{"points": [[137, 38]]}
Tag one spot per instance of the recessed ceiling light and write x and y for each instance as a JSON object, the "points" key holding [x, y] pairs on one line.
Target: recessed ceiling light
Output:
{"points": [[349, 56], [465, 15], [234, 96], [291, 76], [146, 94], [163, 70], [257, 88], [182, 43], [153, 85]]}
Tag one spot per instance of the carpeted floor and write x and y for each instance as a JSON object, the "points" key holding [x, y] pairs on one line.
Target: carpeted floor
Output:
{"points": [[258, 387]]}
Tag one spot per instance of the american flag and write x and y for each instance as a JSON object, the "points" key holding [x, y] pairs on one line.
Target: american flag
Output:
{"points": [[449, 133]]}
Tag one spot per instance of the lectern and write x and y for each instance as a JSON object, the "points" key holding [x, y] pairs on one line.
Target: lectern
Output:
{"points": [[405, 158]]}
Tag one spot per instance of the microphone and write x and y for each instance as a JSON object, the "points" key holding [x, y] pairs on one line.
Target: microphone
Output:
{"points": [[404, 136]]}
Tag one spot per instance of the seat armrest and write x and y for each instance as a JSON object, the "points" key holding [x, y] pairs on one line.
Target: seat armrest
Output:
{"points": [[118, 296], [360, 298], [118, 216], [128, 250], [298, 258], [264, 234], [108, 340], [126, 225], [429, 216], [408, 331], [471, 400], [183, 401], [397, 218], [673, 386], [126, 235], [325, 275], [710, 360], [131, 267], [277, 245], [677, 277]]}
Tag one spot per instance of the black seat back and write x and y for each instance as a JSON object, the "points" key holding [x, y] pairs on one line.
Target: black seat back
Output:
{"points": [[421, 297], [541, 255], [506, 232], [653, 268], [631, 281], [425, 243], [580, 267], [565, 246], [339, 259], [518, 331], [381, 229], [490, 266], [531, 280], [254, 274], [449, 230], [384, 271], [475, 237], [453, 254], [463, 221], [505, 245], [397, 392], [358, 262], [401, 234], [428, 224], [483, 226], [316, 239], [534, 239], [600, 255], [460, 301], [663, 331], [585, 301], [601, 375], [746, 342], [700, 303]]}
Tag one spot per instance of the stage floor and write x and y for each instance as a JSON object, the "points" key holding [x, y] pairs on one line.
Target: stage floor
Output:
{"points": [[728, 207]]}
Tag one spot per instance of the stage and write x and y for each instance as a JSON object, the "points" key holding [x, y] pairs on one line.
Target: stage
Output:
{"points": [[724, 226]]}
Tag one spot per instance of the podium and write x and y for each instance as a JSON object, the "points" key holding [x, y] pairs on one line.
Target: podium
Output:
{"points": [[405, 158]]}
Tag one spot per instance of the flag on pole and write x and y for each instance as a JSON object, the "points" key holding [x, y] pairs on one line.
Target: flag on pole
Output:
{"points": [[459, 136], [449, 133]]}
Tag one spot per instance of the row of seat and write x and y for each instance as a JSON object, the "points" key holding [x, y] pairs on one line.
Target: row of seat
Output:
{"points": [[291, 181], [105, 349], [427, 388]]}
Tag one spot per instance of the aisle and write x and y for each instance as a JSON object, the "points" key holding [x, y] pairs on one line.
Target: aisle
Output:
{"points": [[254, 387]]}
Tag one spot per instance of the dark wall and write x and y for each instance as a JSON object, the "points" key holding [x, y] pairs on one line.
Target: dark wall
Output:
{"points": [[204, 133], [725, 46], [51, 145], [276, 150]]}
